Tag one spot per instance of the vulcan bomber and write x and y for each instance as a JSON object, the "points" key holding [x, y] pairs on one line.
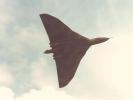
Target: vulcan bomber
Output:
{"points": [[68, 47]]}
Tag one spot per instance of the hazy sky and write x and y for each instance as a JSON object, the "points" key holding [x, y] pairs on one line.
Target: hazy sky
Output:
{"points": [[106, 71]]}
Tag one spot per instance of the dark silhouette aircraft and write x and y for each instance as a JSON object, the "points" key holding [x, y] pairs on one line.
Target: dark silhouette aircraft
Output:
{"points": [[68, 47]]}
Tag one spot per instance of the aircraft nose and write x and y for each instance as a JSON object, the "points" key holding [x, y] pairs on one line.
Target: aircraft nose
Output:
{"points": [[103, 39], [98, 40]]}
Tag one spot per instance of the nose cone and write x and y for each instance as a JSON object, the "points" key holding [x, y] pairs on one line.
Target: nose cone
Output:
{"points": [[103, 39], [98, 40]]}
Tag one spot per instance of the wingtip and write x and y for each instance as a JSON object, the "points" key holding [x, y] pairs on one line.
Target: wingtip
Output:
{"points": [[45, 15], [62, 85]]}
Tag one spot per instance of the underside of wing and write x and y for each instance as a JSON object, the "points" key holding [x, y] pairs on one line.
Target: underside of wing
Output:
{"points": [[67, 63], [68, 47], [56, 29]]}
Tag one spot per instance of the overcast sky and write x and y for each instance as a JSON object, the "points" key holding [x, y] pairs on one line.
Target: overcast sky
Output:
{"points": [[105, 72]]}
